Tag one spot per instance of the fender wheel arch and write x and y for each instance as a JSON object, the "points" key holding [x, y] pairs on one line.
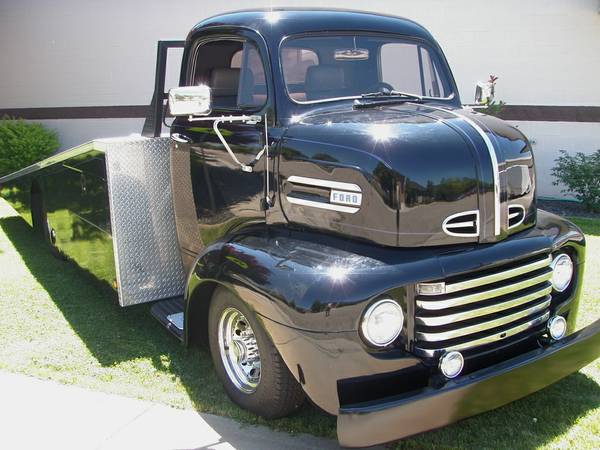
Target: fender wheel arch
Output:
{"points": [[197, 305]]}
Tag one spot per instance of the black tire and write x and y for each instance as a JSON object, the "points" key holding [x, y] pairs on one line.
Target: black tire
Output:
{"points": [[38, 218], [50, 238], [40, 222], [277, 394]]}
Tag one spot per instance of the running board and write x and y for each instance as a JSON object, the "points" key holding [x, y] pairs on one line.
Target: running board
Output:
{"points": [[169, 313]]}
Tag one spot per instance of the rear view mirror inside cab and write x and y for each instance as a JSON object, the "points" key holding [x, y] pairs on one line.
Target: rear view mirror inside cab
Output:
{"points": [[351, 54]]}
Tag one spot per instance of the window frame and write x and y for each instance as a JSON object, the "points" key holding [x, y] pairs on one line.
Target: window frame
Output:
{"points": [[442, 65], [242, 38]]}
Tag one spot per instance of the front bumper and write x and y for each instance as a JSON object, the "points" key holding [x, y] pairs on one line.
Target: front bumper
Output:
{"points": [[384, 421]]}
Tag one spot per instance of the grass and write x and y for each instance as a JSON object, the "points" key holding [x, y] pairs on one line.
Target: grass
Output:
{"points": [[56, 323], [588, 226]]}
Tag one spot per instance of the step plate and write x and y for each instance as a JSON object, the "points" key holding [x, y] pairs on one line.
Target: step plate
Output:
{"points": [[169, 313]]}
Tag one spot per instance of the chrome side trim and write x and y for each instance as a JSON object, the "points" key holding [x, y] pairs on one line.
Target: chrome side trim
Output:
{"points": [[497, 307], [498, 276], [325, 183], [448, 227], [321, 205], [483, 326], [485, 295], [493, 159], [488, 339]]}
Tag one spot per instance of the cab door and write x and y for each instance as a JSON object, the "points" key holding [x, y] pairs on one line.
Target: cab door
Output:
{"points": [[224, 196]]}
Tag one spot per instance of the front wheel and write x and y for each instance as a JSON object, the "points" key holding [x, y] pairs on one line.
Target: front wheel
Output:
{"points": [[248, 364]]}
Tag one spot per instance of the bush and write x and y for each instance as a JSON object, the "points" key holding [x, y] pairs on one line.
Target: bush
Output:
{"points": [[581, 176], [24, 143]]}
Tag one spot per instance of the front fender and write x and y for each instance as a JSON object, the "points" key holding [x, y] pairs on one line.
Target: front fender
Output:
{"points": [[294, 280], [316, 282]]}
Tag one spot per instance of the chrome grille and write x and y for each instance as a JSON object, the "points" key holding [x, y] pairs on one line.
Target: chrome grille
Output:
{"points": [[482, 308]]}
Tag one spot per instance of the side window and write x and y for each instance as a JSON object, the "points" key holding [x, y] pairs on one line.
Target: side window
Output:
{"points": [[253, 87], [410, 68], [234, 71]]}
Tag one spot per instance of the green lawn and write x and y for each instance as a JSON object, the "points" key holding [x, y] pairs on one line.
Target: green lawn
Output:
{"points": [[57, 323]]}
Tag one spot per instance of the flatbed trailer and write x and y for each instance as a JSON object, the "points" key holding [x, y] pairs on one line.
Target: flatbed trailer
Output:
{"points": [[107, 205]]}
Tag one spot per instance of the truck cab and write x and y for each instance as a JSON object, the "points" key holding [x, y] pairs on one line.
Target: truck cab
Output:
{"points": [[369, 108]]}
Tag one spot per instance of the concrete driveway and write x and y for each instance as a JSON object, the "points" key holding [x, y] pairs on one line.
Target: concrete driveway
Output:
{"points": [[41, 414]]}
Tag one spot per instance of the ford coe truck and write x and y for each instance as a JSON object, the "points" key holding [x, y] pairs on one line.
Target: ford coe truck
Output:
{"points": [[334, 223]]}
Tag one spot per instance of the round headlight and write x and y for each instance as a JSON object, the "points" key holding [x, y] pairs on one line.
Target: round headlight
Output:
{"points": [[562, 272], [382, 322]]}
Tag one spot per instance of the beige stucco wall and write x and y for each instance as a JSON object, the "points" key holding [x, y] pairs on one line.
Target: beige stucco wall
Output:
{"points": [[90, 53]]}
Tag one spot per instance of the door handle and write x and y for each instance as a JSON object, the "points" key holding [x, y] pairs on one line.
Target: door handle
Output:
{"points": [[182, 138]]}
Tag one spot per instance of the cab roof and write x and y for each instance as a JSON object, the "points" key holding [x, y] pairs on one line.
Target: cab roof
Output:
{"points": [[276, 23]]}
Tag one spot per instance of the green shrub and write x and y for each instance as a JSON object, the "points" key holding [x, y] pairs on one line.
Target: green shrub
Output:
{"points": [[581, 175], [24, 143]]}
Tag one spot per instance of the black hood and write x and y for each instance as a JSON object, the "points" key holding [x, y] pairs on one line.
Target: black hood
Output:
{"points": [[427, 175]]}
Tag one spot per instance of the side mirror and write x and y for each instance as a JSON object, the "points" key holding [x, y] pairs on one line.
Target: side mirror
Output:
{"points": [[485, 91], [190, 101], [482, 94]]}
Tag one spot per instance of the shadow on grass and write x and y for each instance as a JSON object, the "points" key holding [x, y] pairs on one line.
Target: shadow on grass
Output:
{"points": [[114, 334]]}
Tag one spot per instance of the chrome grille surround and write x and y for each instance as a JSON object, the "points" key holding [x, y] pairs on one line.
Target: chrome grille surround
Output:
{"points": [[483, 308]]}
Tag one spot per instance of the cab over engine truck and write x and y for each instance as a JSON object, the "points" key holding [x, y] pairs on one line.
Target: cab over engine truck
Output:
{"points": [[333, 221]]}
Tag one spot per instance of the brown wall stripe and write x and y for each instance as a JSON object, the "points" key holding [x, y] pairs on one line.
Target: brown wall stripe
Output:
{"points": [[509, 112], [551, 113], [79, 112]]}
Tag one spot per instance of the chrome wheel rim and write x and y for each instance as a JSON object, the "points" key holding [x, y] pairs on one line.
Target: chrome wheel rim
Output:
{"points": [[239, 350]]}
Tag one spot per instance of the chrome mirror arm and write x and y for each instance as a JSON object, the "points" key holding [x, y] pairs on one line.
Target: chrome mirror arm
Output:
{"points": [[217, 121], [244, 167]]}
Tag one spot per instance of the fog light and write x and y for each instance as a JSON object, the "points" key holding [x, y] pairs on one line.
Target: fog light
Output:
{"points": [[382, 322], [557, 327], [562, 272], [451, 364]]}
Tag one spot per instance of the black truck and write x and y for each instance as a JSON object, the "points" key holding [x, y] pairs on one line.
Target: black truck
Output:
{"points": [[332, 221]]}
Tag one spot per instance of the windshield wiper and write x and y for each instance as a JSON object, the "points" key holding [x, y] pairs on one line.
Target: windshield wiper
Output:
{"points": [[388, 93], [386, 96]]}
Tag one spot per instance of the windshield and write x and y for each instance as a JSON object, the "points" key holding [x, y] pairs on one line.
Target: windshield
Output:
{"points": [[322, 68]]}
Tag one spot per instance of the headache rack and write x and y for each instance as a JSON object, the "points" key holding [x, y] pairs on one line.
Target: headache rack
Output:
{"points": [[484, 308]]}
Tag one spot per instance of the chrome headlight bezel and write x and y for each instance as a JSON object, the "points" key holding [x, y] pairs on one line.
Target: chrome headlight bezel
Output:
{"points": [[561, 262], [369, 316]]}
